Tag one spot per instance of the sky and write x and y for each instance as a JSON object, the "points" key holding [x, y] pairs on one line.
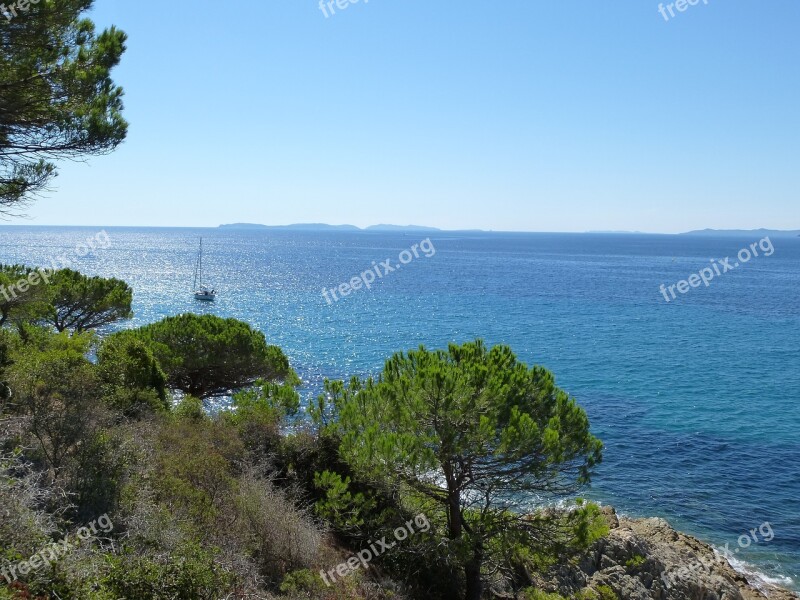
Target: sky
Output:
{"points": [[522, 115]]}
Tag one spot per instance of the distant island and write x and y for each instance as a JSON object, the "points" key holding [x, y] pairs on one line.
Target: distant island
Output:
{"points": [[326, 227], [422, 228], [745, 232]]}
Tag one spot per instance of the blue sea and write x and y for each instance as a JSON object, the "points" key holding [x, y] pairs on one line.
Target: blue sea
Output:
{"points": [[696, 399]]}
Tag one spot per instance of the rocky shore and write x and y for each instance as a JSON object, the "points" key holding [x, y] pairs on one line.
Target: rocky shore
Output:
{"points": [[646, 559]]}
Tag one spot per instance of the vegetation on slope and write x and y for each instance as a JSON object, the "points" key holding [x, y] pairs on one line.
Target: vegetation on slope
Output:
{"points": [[270, 498]]}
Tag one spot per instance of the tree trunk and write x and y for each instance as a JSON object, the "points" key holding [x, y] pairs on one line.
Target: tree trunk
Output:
{"points": [[472, 571], [454, 514]]}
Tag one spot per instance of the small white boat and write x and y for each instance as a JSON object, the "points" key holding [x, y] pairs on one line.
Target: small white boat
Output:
{"points": [[205, 294], [202, 291]]}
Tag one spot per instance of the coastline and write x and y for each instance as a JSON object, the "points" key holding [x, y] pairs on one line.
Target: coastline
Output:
{"points": [[647, 559]]}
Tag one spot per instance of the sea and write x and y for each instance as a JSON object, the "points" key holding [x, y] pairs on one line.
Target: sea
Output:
{"points": [[695, 397]]}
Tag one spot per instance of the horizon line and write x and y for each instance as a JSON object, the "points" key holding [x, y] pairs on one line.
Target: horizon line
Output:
{"points": [[402, 229]]}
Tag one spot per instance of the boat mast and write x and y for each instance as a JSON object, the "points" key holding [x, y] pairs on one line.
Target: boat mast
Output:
{"points": [[198, 267], [200, 262]]}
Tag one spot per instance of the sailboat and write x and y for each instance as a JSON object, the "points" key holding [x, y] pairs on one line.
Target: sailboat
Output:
{"points": [[202, 292]]}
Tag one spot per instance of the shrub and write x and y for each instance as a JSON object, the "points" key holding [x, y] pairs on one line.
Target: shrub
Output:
{"points": [[189, 574], [56, 387], [132, 379], [534, 594], [635, 562], [305, 581], [602, 592], [24, 527], [195, 470], [191, 409], [98, 473], [305, 584], [278, 535], [607, 593], [258, 413]]}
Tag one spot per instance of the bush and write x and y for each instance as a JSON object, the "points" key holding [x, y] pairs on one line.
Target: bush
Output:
{"points": [[57, 389], [196, 471], [305, 584], [278, 536], [191, 409], [189, 574], [258, 413], [98, 473], [132, 379], [635, 562], [534, 594], [602, 592], [305, 581], [606, 592], [24, 527]]}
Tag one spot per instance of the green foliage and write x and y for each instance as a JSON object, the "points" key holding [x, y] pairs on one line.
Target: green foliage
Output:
{"points": [[58, 100], [21, 293], [324, 413], [79, 302], [65, 299], [304, 581], [208, 356], [607, 593], [208, 506], [132, 378], [470, 422], [258, 413], [601, 592], [97, 475], [588, 523], [5, 361], [635, 562], [476, 404], [190, 573], [534, 594], [56, 387], [340, 507], [195, 469], [191, 409], [266, 402]]}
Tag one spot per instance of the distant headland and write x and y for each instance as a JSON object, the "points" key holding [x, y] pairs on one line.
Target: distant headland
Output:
{"points": [[745, 232], [422, 228]]}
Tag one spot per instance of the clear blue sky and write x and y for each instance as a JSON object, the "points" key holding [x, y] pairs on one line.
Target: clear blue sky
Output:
{"points": [[565, 115]]}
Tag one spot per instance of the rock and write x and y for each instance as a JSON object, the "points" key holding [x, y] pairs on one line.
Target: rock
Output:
{"points": [[646, 559], [610, 515]]}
